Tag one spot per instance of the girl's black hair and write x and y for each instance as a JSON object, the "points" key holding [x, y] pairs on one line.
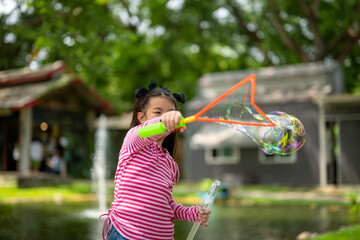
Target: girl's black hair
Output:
{"points": [[141, 105]]}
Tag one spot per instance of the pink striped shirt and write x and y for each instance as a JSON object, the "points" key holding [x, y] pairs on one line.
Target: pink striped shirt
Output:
{"points": [[143, 206]]}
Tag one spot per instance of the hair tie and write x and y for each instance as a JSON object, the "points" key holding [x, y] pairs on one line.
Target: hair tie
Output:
{"points": [[180, 97], [141, 92]]}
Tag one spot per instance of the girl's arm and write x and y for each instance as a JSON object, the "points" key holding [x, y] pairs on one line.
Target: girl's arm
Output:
{"points": [[134, 143], [183, 213], [191, 214]]}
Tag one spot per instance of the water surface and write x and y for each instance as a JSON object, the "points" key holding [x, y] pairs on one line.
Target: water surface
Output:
{"points": [[44, 221]]}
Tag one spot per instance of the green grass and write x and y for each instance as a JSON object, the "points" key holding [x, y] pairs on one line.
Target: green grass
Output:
{"points": [[271, 201], [349, 233], [32, 194], [266, 188], [182, 190], [6, 193]]}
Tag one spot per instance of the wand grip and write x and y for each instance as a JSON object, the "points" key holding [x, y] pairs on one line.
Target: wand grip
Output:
{"points": [[156, 128]]}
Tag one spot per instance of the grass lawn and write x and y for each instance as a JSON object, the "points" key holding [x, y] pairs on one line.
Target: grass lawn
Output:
{"points": [[349, 233], [74, 191]]}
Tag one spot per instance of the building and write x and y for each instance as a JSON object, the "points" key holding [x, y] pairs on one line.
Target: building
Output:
{"points": [[313, 93], [52, 106]]}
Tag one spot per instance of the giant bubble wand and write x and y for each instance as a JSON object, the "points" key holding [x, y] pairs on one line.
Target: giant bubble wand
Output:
{"points": [[210, 197], [276, 132]]}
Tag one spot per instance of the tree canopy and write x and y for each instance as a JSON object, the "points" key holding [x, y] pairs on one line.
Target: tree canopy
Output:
{"points": [[120, 45]]}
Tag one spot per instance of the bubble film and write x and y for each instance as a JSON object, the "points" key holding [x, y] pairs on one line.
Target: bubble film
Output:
{"points": [[285, 138]]}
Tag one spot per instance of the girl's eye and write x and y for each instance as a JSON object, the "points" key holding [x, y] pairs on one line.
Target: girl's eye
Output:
{"points": [[157, 112]]}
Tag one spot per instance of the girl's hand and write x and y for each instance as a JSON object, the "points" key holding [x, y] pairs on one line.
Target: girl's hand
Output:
{"points": [[203, 215], [171, 119]]}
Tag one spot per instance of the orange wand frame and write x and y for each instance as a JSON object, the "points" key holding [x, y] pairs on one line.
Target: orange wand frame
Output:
{"points": [[158, 128]]}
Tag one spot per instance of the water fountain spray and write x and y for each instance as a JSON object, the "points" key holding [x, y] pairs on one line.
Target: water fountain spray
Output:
{"points": [[98, 171]]}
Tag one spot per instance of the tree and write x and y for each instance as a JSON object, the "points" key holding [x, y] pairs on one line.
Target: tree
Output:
{"points": [[312, 30], [119, 45]]}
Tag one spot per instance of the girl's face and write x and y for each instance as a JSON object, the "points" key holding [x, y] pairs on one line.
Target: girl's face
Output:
{"points": [[156, 107]]}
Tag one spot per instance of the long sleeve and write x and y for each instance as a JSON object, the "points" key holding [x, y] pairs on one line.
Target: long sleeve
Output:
{"points": [[132, 141], [143, 206], [183, 213]]}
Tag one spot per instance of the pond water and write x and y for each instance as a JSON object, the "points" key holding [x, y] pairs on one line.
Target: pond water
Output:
{"points": [[44, 221]]}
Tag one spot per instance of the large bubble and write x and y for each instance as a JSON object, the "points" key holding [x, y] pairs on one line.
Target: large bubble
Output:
{"points": [[244, 116], [286, 137]]}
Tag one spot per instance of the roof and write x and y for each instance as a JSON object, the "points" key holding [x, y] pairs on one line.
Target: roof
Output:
{"points": [[340, 107], [280, 84], [339, 101], [22, 88], [27, 75]]}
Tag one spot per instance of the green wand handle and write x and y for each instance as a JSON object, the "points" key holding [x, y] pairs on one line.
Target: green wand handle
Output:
{"points": [[156, 128]]}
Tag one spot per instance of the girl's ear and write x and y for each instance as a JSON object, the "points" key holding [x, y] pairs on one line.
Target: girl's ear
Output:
{"points": [[140, 117]]}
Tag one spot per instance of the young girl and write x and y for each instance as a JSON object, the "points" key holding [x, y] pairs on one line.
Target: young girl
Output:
{"points": [[143, 206]]}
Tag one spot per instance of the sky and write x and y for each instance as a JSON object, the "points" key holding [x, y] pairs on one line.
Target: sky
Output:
{"points": [[6, 6]]}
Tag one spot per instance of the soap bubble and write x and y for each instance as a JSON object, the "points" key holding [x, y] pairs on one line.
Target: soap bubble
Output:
{"points": [[286, 137], [243, 115]]}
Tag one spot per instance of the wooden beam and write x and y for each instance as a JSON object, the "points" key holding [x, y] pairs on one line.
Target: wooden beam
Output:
{"points": [[323, 146], [4, 149], [25, 136]]}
